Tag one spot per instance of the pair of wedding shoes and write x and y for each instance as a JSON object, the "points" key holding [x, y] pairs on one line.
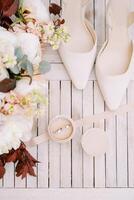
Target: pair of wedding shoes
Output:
{"points": [[115, 61]]}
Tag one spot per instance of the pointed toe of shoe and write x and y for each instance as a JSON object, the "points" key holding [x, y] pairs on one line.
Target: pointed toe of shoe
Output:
{"points": [[113, 89], [79, 68], [112, 100], [79, 74], [112, 103], [79, 84], [78, 65]]}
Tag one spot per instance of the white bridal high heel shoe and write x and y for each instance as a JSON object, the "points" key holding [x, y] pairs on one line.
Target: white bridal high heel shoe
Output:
{"points": [[78, 55], [115, 62]]}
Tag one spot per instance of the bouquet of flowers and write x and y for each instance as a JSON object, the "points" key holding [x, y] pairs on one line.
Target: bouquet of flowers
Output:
{"points": [[25, 26], [49, 27], [17, 111]]}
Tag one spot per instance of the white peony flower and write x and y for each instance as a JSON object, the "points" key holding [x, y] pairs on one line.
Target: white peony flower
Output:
{"points": [[30, 46], [27, 41], [7, 36], [37, 9], [3, 74], [23, 88], [13, 130]]}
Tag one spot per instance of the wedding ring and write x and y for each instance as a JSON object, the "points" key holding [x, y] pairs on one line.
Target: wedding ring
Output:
{"points": [[61, 129]]}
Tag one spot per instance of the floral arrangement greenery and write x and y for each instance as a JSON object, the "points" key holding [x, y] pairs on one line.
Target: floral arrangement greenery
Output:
{"points": [[53, 32], [17, 113], [15, 64], [20, 17], [25, 26]]}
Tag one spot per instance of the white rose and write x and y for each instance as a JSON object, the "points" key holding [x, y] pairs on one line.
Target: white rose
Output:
{"points": [[37, 9]]}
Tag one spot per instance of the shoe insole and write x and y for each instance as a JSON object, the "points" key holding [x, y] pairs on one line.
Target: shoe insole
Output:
{"points": [[116, 56], [81, 39]]}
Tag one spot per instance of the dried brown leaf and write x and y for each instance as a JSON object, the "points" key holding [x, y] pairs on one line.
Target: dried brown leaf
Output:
{"points": [[12, 156], [9, 7], [2, 170], [7, 84], [55, 9], [23, 159]]}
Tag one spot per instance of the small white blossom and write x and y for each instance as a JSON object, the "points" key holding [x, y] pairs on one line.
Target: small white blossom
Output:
{"points": [[7, 57], [49, 29], [9, 61], [60, 35]]}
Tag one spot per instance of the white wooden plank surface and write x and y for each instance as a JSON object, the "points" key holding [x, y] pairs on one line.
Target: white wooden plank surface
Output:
{"points": [[54, 148], [131, 137], [31, 182], [19, 183], [1, 183], [69, 194], [9, 176], [88, 169], [66, 148], [111, 172], [100, 21], [122, 179], [43, 150], [76, 146], [99, 161]]}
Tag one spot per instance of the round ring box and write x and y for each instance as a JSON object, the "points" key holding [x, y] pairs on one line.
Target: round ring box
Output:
{"points": [[61, 129], [95, 142]]}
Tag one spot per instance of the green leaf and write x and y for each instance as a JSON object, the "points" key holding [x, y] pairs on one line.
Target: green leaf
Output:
{"points": [[15, 70], [30, 68], [44, 67], [23, 63], [19, 54]]}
